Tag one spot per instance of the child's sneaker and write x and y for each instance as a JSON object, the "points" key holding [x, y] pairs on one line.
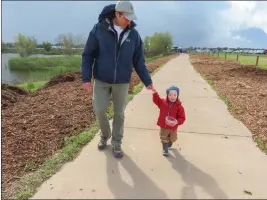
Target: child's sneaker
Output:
{"points": [[165, 149]]}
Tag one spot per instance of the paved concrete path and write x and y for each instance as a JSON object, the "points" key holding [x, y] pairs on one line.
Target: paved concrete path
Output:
{"points": [[214, 156]]}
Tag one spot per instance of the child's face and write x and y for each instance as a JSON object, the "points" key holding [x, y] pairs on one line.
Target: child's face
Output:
{"points": [[172, 96]]}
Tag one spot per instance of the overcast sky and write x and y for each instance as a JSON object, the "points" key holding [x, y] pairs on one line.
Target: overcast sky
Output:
{"points": [[195, 23]]}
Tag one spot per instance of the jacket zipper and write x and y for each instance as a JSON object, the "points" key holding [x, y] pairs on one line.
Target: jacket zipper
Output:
{"points": [[116, 41], [116, 58], [116, 45], [168, 113]]}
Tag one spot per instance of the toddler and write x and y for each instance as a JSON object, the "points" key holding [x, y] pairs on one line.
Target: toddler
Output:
{"points": [[171, 116]]}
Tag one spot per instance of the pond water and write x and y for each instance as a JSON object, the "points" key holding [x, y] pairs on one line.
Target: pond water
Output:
{"points": [[16, 77]]}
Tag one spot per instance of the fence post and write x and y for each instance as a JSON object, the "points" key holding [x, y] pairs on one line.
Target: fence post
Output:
{"points": [[225, 55], [237, 57], [218, 54], [257, 60]]}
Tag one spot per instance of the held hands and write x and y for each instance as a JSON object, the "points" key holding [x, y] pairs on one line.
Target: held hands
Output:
{"points": [[151, 87]]}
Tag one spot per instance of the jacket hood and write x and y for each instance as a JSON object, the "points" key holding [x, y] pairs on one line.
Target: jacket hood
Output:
{"points": [[108, 13]]}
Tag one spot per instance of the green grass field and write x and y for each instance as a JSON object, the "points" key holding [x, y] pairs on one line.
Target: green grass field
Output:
{"points": [[44, 63], [57, 65], [247, 59]]}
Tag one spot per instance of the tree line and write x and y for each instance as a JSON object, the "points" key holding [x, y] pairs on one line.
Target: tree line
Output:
{"points": [[159, 43], [27, 45]]}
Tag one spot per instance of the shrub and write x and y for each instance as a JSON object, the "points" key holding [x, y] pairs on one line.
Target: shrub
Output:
{"points": [[44, 63]]}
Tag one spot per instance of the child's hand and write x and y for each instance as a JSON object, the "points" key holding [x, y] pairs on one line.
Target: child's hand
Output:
{"points": [[154, 90], [172, 124], [171, 121]]}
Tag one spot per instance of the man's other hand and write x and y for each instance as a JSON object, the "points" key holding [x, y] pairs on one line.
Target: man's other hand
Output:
{"points": [[87, 86]]}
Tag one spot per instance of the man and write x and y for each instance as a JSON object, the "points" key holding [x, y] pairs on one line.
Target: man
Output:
{"points": [[113, 47]]}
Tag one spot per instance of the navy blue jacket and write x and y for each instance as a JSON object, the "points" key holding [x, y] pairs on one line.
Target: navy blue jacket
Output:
{"points": [[111, 60]]}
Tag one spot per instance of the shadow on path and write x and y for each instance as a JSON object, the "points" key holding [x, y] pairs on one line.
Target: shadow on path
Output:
{"points": [[193, 176], [143, 186]]}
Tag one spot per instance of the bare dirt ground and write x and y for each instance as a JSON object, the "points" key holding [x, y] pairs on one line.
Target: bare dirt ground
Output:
{"points": [[34, 125], [245, 86]]}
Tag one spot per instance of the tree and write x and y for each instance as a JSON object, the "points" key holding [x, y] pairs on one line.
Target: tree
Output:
{"points": [[79, 41], [191, 49], [160, 43], [147, 45], [25, 45], [3, 46], [65, 42], [10, 45], [47, 46], [59, 41], [219, 49], [39, 46], [69, 41]]}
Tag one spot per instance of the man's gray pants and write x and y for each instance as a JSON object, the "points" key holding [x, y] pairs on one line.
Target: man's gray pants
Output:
{"points": [[101, 99]]}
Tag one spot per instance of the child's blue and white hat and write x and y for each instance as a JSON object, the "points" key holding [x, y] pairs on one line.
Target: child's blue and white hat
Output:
{"points": [[173, 87]]}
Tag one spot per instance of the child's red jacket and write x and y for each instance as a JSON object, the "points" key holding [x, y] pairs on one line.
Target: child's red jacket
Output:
{"points": [[175, 110]]}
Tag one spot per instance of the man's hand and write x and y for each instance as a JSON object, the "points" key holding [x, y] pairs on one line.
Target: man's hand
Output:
{"points": [[151, 87], [87, 86]]}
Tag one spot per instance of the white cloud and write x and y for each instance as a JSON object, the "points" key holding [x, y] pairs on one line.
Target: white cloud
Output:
{"points": [[237, 37], [240, 38], [246, 14], [240, 15], [190, 23]]}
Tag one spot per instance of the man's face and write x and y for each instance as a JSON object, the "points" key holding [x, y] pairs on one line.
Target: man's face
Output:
{"points": [[121, 20]]}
